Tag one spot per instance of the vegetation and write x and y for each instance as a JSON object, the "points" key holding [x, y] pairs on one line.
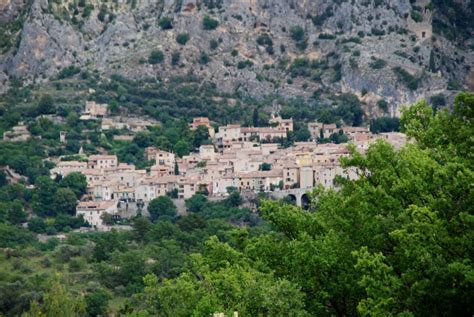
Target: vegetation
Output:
{"points": [[298, 35], [209, 23], [406, 78], [166, 23], [156, 57], [384, 124], [377, 63], [396, 241], [182, 38]]}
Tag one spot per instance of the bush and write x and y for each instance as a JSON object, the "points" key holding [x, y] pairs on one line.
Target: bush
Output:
{"points": [[384, 124], [377, 32], [416, 16], [383, 105], [264, 40], [438, 100], [175, 57], [326, 36], [156, 57], [244, 64], [209, 23], [203, 58], [377, 63], [166, 23], [68, 72], [408, 80], [454, 85], [182, 38], [213, 44], [297, 33]]}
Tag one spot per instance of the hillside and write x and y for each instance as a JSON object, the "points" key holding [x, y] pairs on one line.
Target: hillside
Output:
{"points": [[396, 51]]}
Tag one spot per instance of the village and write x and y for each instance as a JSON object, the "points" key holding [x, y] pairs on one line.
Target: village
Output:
{"points": [[240, 158]]}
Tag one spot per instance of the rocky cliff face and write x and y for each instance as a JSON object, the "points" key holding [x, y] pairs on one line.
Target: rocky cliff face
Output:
{"points": [[377, 49]]}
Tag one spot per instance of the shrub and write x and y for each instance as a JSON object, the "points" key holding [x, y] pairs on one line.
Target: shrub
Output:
{"points": [[209, 23], [383, 105], [244, 64], [454, 85], [377, 63], [203, 58], [175, 57], [156, 57], [408, 80], [264, 40], [377, 32], [325, 36], [102, 13], [182, 38], [438, 100], [213, 44], [416, 16], [166, 23], [297, 33], [68, 72], [384, 124]]}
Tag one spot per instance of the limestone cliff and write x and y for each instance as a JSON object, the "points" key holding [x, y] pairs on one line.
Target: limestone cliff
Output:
{"points": [[373, 48]]}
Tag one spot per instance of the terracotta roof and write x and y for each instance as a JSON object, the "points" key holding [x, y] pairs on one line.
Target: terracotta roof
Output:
{"points": [[95, 205]]}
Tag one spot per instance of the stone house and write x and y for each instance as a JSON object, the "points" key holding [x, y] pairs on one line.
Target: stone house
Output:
{"points": [[92, 212]]}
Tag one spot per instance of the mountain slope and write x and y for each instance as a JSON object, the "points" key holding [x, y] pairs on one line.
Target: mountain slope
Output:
{"points": [[375, 49]]}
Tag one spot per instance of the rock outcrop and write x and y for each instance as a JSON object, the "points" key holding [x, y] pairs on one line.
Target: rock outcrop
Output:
{"points": [[260, 47]]}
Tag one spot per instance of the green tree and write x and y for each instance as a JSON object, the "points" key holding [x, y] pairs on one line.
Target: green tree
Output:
{"points": [[265, 166], [65, 201], [57, 302], [200, 136], [141, 226], [46, 104], [15, 212], [37, 225], [76, 182], [107, 219], [97, 303], [255, 118], [3, 179], [176, 168], [395, 242], [181, 148], [220, 282], [161, 206], [14, 236], [196, 203], [43, 196]]}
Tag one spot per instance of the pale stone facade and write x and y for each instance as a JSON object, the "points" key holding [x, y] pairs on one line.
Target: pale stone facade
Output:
{"points": [[304, 165], [92, 212]]}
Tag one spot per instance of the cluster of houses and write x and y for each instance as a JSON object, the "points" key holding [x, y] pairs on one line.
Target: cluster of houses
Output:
{"points": [[237, 159]]}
